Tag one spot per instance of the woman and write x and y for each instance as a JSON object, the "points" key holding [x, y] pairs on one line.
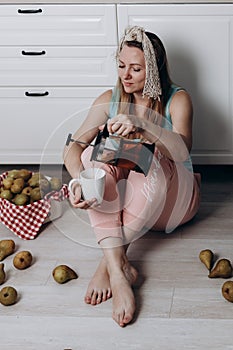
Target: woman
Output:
{"points": [[145, 105]]}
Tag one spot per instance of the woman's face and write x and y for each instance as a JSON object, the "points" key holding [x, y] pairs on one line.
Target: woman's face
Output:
{"points": [[132, 69]]}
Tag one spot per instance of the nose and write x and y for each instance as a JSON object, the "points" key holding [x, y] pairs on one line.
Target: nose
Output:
{"points": [[126, 73]]}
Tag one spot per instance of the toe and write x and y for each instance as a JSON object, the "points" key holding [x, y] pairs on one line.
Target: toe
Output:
{"points": [[88, 297], [109, 293], [127, 318], [104, 295], [99, 297], [94, 298]]}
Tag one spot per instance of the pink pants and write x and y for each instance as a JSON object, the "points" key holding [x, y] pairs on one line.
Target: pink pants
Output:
{"points": [[166, 198]]}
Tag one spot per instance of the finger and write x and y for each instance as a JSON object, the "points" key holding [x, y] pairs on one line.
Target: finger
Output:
{"points": [[87, 204]]}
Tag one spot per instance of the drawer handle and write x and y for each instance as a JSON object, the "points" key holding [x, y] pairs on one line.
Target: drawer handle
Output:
{"points": [[33, 53], [30, 11], [36, 94]]}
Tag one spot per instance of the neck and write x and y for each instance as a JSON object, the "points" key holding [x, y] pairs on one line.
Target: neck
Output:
{"points": [[138, 99]]}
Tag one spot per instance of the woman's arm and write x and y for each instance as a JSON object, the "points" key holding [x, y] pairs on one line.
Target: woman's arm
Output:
{"points": [[96, 117], [175, 144]]}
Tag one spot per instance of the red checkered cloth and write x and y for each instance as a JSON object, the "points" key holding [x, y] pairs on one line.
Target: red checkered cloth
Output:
{"points": [[26, 220]]}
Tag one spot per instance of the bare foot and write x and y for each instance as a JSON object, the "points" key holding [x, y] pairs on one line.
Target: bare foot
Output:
{"points": [[99, 287], [123, 297]]}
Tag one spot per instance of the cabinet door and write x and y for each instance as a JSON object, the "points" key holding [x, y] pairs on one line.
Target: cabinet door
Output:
{"points": [[198, 40], [34, 128], [37, 24], [57, 66]]}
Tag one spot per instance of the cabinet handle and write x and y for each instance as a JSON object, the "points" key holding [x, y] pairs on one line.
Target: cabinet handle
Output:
{"points": [[33, 53], [29, 11], [36, 94]]}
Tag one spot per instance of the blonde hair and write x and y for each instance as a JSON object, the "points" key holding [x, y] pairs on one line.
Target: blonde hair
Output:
{"points": [[157, 105]]}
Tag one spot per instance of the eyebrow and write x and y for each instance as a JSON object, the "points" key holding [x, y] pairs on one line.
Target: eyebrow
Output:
{"points": [[132, 64]]}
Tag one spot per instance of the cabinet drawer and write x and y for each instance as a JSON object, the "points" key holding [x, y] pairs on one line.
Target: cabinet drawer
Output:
{"points": [[58, 66], [36, 24], [36, 128]]}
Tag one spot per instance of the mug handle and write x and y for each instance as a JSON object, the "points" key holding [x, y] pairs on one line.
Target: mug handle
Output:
{"points": [[78, 181]]}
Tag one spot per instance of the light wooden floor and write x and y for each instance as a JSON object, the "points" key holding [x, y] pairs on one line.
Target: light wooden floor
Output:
{"points": [[179, 307]]}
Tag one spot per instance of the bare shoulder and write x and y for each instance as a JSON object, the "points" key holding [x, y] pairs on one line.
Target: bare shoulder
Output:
{"points": [[105, 97], [181, 100]]}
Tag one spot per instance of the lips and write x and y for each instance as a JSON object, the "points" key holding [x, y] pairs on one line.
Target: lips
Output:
{"points": [[127, 84]]}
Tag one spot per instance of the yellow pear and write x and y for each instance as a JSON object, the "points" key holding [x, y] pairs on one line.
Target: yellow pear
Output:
{"points": [[8, 296], [64, 273], [22, 260], [55, 183], [24, 173], [222, 269], [7, 247], [13, 173], [2, 274], [227, 291], [207, 256], [7, 183]]}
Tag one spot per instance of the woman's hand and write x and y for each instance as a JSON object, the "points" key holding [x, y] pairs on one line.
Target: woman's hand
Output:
{"points": [[76, 200], [123, 124]]}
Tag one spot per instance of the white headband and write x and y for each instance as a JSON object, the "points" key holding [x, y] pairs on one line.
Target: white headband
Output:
{"points": [[152, 87]]}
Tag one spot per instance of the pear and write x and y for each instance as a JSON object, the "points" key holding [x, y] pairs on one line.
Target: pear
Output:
{"points": [[13, 173], [63, 273], [36, 194], [55, 184], [7, 247], [6, 194], [20, 199], [17, 185], [8, 295], [227, 291], [7, 183], [27, 190], [2, 274], [34, 181], [222, 269], [22, 260], [23, 173], [207, 256], [44, 185]]}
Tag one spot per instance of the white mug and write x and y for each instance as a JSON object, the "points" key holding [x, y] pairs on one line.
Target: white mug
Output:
{"points": [[92, 182]]}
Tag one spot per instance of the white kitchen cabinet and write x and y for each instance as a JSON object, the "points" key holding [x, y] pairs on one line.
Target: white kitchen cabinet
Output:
{"points": [[54, 61], [199, 43], [34, 129], [72, 66]]}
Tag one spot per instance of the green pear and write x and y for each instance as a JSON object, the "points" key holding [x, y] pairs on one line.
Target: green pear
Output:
{"points": [[21, 199], [17, 185], [27, 190], [222, 269], [6, 194], [207, 257], [8, 296], [55, 183], [24, 173], [44, 185], [13, 173], [34, 181], [64, 273], [7, 183], [227, 291], [22, 260], [2, 274], [36, 194], [7, 247]]}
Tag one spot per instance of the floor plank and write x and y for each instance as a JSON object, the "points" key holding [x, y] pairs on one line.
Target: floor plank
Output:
{"points": [[178, 306]]}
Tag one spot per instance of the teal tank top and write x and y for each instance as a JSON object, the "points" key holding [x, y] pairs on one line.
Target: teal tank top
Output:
{"points": [[167, 122]]}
